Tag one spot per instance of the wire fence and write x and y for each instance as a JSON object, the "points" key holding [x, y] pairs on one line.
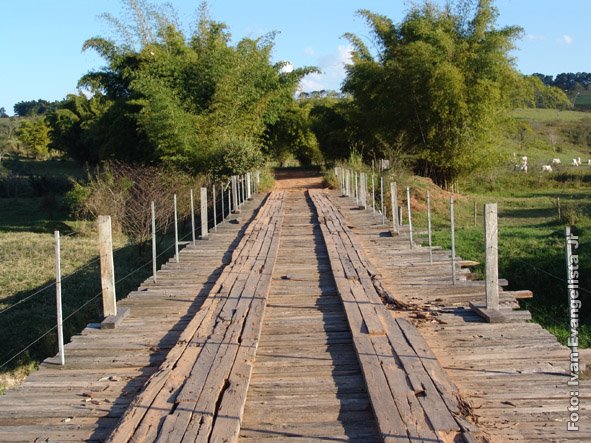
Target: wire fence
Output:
{"points": [[213, 219], [349, 187]]}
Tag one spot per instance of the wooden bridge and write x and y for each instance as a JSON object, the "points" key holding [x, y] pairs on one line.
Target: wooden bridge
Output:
{"points": [[302, 319]]}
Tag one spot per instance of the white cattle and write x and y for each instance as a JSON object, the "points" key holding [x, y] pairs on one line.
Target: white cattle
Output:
{"points": [[523, 168], [524, 160], [555, 161], [546, 168], [576, 162], [589, 162]]}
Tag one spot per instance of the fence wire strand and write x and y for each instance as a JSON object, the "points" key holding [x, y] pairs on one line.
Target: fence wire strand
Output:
{"points": [[53, 328]]}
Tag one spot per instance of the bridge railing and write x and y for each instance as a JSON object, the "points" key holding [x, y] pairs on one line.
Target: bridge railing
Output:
{"points": [[217, 202]]}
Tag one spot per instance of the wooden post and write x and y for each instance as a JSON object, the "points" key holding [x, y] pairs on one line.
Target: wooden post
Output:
{"points": [[409, 216], [453, 239], [394, 205], [558, 207], [348, 183], [215, 209], [153, 207], [223, 204], [176, 230], [235, 194], [429, 227], [356, 190], [243, 188], [58, 298], [204, 221], [229, 198], [491, 271], [248, 186], [382, 199], [192, 217], [373, 194], [107, 267]]}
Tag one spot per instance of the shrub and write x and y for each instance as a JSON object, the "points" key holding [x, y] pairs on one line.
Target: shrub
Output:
{"points": [[125, 193], [234, 157]]}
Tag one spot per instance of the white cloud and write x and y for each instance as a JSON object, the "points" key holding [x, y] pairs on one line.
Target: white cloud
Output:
{"points": [[286, 68], [312, 82], [309, 51], [567, 39], [333, 73]]}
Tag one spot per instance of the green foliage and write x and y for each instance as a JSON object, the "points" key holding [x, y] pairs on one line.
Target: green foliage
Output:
{"points": [[235, 157], [290, 135], [176, 99], [34, 134], [8, 139], [330, 120], [437, 87], [534, 93], [33, 108]]}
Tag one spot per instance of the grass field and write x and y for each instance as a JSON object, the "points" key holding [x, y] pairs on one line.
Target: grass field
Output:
{"points": [[531, 235], [550, 115], [27, 294]]}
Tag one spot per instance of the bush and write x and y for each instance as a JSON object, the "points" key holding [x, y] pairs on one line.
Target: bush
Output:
{"points": [[126, 192], [235, 157]]}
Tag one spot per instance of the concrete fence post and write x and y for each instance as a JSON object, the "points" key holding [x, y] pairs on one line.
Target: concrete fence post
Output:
{"points": [[394, 205], [429, 227], [204, 221], [235, 208], [409, 216], [192, 217], [176, 230], [58, 298], [153, 208], [453, 239], [107, 265], [215, 209], [491, 270]]}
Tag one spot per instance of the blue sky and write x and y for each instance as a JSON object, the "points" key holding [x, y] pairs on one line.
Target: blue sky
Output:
{"points": [[41, 40]]}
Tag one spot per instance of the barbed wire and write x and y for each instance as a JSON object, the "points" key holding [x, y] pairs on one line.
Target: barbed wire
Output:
{"points": [[137, 269], [93, 262]]}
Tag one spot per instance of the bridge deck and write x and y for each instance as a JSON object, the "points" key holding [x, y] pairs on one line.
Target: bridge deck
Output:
{"points": [[307, 382], [105, 369], [513, 375], [329, 356]]}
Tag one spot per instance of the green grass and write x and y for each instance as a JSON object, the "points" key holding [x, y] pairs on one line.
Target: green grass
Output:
{"points": [[531, 240], [531, 237], [549, 115], [27, 294]]}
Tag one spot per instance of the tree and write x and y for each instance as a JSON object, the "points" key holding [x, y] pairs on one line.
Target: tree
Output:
{"points": [[33, 108], [438, 86], [34, 134], [331, 121], [540, 95], [178, 99], [291, 135], [3, 113]]}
